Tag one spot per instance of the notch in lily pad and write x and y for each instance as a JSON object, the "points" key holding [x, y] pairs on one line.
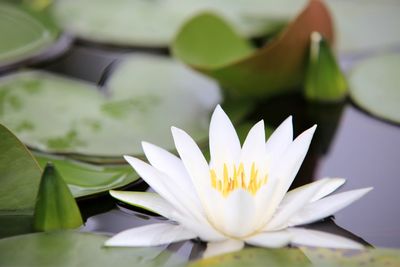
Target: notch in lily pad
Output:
{"points": [[55, 208], [209, 44], [324, 80]]}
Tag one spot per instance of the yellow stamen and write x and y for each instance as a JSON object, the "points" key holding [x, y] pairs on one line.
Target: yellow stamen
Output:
{"points": [[228, 183]]}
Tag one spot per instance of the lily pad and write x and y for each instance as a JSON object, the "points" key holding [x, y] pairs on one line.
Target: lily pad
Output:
{"points": [[366, 25], [68, 248], [257, 257], [375, 86], [155, 23], [275, 68], [371, 257], [11, 225], [145, 96], [304, 257], [85, 179], [23, 35], [19, 175]]}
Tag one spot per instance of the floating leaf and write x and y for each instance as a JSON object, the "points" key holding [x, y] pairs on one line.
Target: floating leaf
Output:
{"points": [[78, 119], [324, 80], [304, 257], [68, 248], [341, 257], [19, 175], [257, 257], [155, 23], [11, 225], [23, 35], [85, 179], [273, 69], [55, 208], [375, 86], [366, 25]]}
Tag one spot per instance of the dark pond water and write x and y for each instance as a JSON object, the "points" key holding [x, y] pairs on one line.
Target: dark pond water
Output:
{"points": [[349, 143]]}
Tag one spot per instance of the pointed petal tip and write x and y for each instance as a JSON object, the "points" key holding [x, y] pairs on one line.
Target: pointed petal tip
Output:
{"points": [[145, 144], [177, 131], [260, 123], [338, 180], [128, 158], [219, 114], [116, 193], [365, 190]]}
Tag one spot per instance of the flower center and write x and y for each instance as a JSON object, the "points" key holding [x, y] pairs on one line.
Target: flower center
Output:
{"points": [[238, 178]]}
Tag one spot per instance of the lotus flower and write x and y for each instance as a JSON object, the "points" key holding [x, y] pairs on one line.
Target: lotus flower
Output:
{"points": [[240, 197]]}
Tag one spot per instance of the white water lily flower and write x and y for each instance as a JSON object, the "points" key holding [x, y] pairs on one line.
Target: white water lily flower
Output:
{"points": [[240, 197]]}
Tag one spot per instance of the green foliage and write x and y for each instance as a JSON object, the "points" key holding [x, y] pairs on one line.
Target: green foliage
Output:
{"points": [[375, 86], [81, 120], [276, 68], [23, 33], [86, 179], [19, 175], [257, 257], [304, 257], [207, 41], [324, 80], [68, 249], [55, 208]]}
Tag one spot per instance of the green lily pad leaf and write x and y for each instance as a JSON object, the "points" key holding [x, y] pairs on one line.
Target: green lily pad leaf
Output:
{"points": [[366, 25], [257, 257], [375, 86], [23, 35], [275, 68], [155, 23], [81, 120], [19, 175], [85, 179], [304, 257], [324, 80], [341, 257], [56, 208], [228, 46], [68, 248], [11, 225]]}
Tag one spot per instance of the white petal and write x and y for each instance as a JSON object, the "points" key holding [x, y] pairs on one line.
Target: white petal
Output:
{"points": [[287, 209], [149, 201], [173, 167], [224, 142], [203, 230], [155, 203], [312, 238], [290, 162], [160, 183], [193, 159], [253, 151], [331, 185], [217, 248], [279, 141], [327, 206], [270, 239], [320, 188], [169, 164], [150, 235], [265, 202], [238, 212], [155, 179]]}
